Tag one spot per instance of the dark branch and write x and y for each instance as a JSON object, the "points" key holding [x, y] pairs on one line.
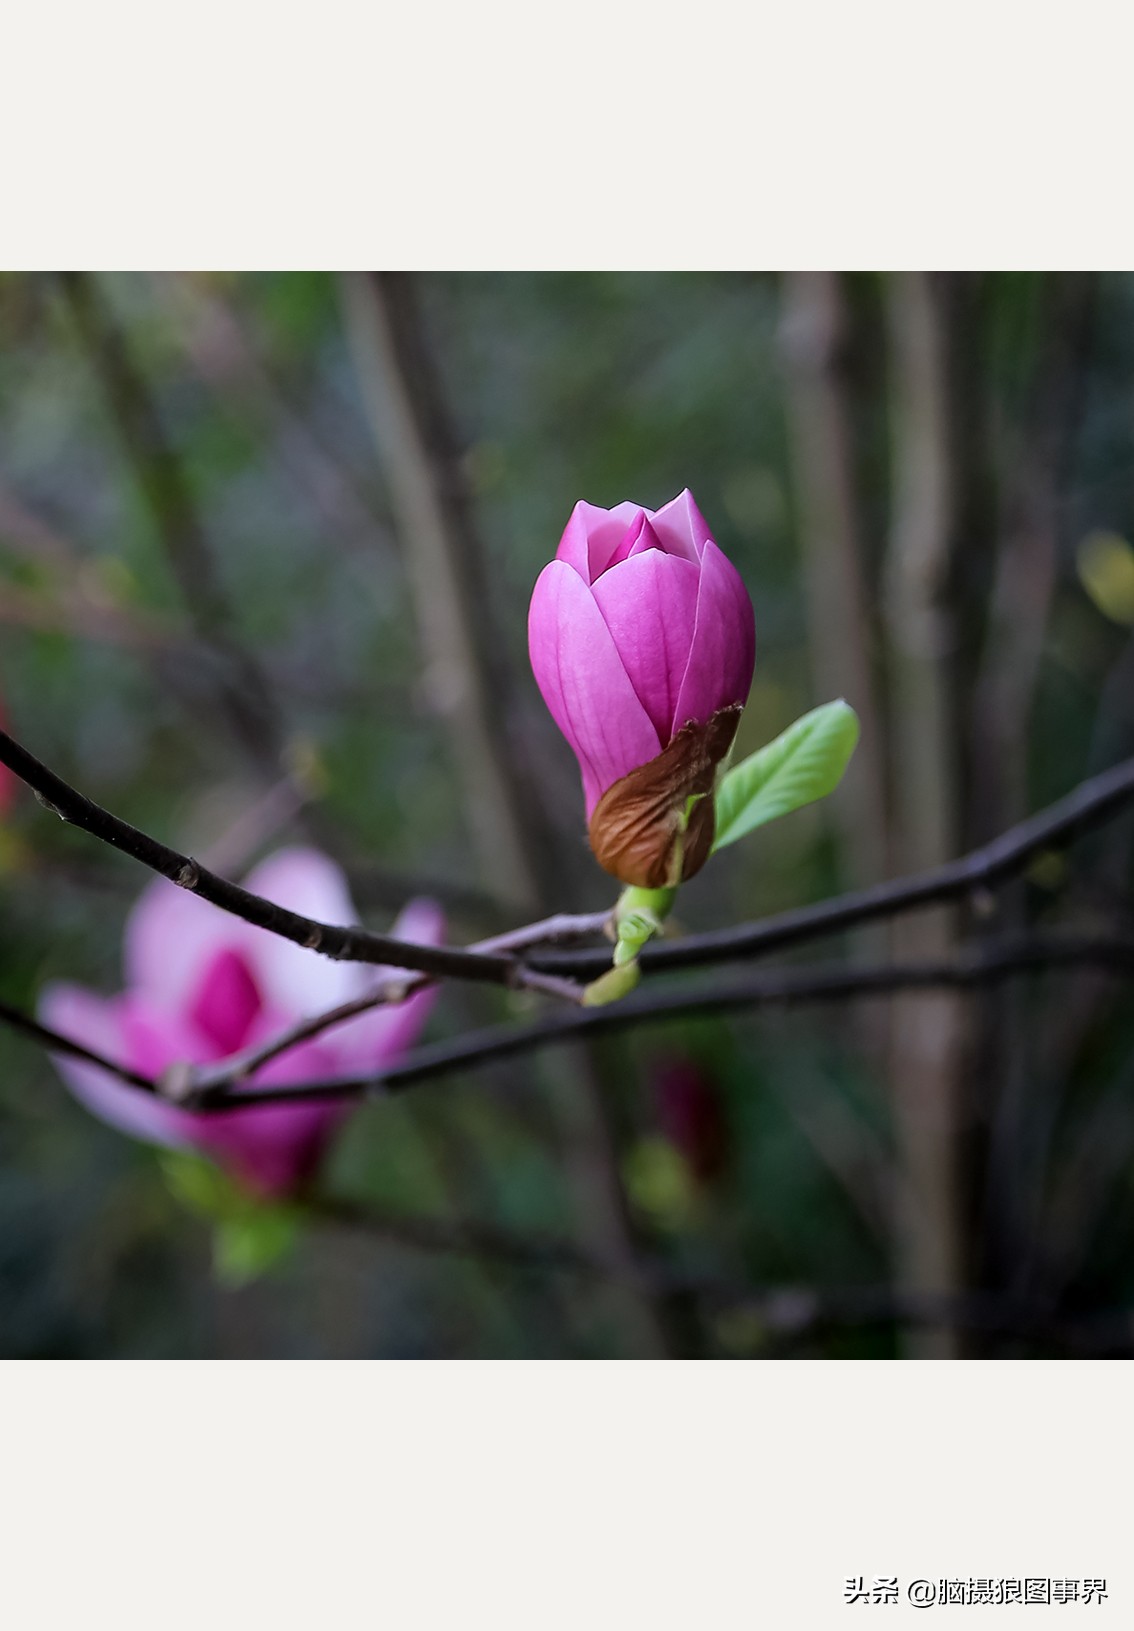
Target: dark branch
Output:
{"points": [[346, 944], [823, 983], [58, 1043], [562, 927], [1086, 806], [788, 986]]}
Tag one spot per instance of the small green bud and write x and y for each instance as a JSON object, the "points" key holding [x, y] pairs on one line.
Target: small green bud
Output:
{"points": [[616, 983]]}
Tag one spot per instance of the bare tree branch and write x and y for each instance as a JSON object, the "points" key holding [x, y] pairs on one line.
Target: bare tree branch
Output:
{"points": [[58, 1043], [397, 989], [981, 966], [1088, 804], [818, 983], [342, 943]]}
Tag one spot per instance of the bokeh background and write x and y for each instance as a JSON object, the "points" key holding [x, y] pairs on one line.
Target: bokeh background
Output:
{"points": [[266, 548]]}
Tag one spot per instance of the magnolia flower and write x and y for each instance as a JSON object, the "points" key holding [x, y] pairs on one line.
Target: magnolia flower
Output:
{"points": [[202, 985], [643, 642]]}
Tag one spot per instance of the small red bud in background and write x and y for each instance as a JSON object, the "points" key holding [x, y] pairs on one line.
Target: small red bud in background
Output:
{"points": [[691, 1116]]}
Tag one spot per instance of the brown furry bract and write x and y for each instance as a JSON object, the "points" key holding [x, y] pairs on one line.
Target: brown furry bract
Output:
{"points": [[637, 831]]}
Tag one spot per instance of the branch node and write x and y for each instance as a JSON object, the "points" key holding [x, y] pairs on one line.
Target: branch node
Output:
{"points": [[177, 1082], [314, 940], [190, 875], [47, 804]]}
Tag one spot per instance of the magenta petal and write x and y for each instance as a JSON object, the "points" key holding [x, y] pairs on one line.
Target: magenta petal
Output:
{"points": [[292, 978], [647, 538], [584, 683], [272, 1149], [630, 543], [227, 1001], [592, 534], [723, 652], [649, 603], [171, 936], [98, 1023], [380, 1035], [682, 528], [156, 1038]]}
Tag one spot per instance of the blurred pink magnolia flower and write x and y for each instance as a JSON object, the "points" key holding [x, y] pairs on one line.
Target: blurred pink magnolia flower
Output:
{"points": [[202, 985], [643, 643]]}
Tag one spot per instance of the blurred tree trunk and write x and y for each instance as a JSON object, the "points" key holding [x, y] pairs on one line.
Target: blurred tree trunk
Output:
{"points": [[843, 637], [1026, 559], [418, 449], [1023, 1075], [928, 1038]]}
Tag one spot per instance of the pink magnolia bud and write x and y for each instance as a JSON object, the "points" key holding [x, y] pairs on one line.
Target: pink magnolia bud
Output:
{"points": [[643, 642], [202, 985]]}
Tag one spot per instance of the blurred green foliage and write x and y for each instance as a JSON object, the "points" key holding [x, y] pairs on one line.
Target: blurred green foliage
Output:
{"points": [[605, 386]]}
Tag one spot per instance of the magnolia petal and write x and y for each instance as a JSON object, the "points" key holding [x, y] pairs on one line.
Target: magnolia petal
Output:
{"points": [[293, 978], [156, 1038], [421, 920], [171, 937], [639, 535], [584, 683], [592, 534], [723, 652], [380, 1035], [273, 1149], [97, 1022], [227, 1001], [649, 603], [682, 528]]}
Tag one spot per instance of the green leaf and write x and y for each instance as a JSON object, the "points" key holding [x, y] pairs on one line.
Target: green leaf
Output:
{"points": [[247, 1246], [199, 1185], [804, 764], [250, 1235]]}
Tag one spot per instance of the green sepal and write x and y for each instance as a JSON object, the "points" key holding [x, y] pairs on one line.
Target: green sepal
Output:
{"points": [[804, 764]]}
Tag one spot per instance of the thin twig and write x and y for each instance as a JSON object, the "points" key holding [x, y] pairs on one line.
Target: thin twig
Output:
{"points": [[398, 988], [818, 983], [57, 1043], [1085, 806], [821, 983], [1088, 804]]}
